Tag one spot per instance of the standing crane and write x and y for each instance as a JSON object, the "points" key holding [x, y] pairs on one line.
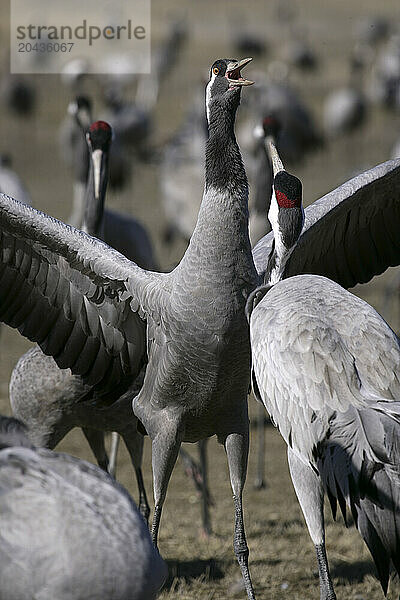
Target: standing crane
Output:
{"points": [[325, 366], [105, 318]]}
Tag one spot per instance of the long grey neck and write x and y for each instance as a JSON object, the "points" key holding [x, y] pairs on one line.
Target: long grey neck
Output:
{"points": [[221, 235], [81, 167], [94, 207], [81, 157]]}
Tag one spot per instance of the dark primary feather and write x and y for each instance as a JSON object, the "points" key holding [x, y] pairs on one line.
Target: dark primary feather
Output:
{"points": [[359, 465], [350, 234], [72, 294]]}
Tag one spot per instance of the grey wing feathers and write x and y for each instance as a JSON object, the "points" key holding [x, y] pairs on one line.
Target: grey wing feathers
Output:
{"points": [[327, 370], [47, 501], [334, 353], [71, 294], [303, 376], [350, 234], [359, 465]]}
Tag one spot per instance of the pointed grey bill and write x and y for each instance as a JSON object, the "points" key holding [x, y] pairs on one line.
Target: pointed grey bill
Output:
{"points": [[97, 158], [277, 164], [237, 66]]}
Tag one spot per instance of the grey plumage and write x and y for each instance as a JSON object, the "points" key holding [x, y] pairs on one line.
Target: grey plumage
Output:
{"points": [[50, 400], [188, 325], [325, 367], [68, 530], [182, 175], [350, 234], [329, 379], [104, 317]]}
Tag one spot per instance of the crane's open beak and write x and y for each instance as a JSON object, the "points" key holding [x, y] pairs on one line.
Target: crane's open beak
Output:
{"points": [[233, 74]]}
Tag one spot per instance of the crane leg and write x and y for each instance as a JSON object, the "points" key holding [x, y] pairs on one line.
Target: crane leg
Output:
{"points": [[96, 443], [112, 464], [164, 453], [259, 482], [237, 448], [134, 443], [309, 491]]}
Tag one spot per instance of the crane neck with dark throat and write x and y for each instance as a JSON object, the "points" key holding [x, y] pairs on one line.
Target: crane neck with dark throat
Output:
{"points": [[221, 232], [94, 207], [224, 165]]}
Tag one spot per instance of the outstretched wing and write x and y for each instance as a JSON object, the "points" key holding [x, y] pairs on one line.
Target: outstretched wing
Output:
{"points": [[80, 300], [350, 234]]}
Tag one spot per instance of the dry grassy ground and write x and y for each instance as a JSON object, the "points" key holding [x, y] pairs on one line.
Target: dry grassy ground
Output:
{"points": [[282, 558]]}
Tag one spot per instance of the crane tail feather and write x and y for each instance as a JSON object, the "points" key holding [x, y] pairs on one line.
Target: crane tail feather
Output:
{"points": [[359, 466]]}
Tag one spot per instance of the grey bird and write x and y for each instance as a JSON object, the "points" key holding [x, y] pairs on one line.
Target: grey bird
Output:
{"points": [[74, 151], [325, 366], [49, 400], [104, 317], [120, 231], [68, 530], [46, 398], [259, 224]]}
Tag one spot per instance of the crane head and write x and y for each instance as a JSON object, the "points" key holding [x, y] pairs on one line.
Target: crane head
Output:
{"points": [[225, 83]]}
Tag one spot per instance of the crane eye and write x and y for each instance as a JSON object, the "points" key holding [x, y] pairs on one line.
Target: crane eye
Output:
{"points": [[215, 70]]}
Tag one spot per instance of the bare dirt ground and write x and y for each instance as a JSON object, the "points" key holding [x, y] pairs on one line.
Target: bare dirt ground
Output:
{"points": [[281, 554]]}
